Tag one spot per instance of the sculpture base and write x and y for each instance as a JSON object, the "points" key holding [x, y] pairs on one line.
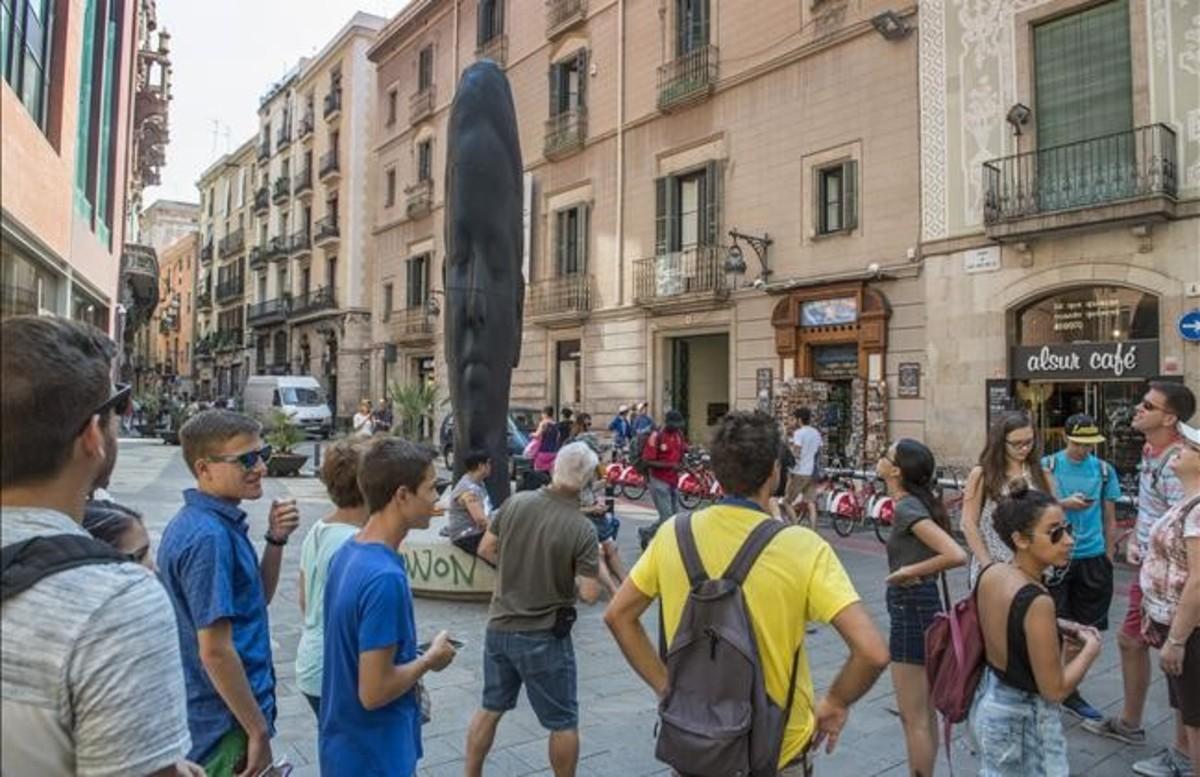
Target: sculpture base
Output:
{"points": [[437, 569]]}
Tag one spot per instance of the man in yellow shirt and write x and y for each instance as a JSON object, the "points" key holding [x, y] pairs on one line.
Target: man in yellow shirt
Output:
{"points": [[796, 580]]}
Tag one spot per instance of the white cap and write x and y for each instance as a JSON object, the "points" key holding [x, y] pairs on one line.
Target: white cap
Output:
{"points": [[1189, 433], [623, 409]]}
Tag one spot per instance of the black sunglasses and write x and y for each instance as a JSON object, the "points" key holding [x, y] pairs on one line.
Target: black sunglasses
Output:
{"points": [[249, 460], [1058, 532], [121, 402]]}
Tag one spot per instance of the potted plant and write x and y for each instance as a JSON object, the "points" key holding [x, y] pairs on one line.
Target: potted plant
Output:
{"points": [[177, 416], [283, 435], [413, 404], [151, 406]]}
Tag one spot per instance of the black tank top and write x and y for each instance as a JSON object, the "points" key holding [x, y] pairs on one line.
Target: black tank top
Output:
{"points": [[1019, 673]]}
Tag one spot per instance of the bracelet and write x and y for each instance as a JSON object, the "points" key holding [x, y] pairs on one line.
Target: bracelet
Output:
{"points": [[1175, 642], [272, 541]]}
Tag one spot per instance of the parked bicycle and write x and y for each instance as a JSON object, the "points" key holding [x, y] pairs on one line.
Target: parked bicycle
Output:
{"points": [[697, 482], [624, 479], [853, 502]]}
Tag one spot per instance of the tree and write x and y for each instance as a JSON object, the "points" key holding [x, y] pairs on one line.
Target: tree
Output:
{"points": [[412, 404]]}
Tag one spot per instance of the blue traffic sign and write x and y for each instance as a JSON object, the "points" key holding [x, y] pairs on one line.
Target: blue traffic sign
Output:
{"points": [[1189, 326]]}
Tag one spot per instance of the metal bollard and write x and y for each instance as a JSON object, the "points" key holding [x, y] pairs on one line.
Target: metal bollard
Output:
{"points": [[317, 456]]}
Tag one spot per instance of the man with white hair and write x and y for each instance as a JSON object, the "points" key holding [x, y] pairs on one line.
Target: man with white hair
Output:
{"points": [[546, 555]]}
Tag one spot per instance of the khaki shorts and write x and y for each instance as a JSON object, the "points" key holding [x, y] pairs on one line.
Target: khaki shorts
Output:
{"points": [[799, 486]]}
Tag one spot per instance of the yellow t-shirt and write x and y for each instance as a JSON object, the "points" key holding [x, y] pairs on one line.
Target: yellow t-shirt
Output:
{"points": [[797, 579]]}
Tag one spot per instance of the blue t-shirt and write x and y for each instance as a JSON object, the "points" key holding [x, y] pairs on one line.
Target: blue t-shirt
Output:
{"points": [[210, 571], [368, 606], [1085, 477]]}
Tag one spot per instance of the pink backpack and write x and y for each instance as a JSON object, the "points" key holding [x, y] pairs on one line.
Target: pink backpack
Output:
{"points": [[954, 659]]}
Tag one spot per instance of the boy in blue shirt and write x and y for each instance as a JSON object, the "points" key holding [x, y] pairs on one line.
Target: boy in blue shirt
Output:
{"points": [[220, 589], [370, 702], [1089, 490]]}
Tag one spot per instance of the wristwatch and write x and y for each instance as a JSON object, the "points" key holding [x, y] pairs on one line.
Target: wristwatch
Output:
{"points": [[272, 541], [1175, 642]]}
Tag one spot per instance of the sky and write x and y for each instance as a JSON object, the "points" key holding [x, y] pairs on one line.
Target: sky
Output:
{"points": [[225, 54]]}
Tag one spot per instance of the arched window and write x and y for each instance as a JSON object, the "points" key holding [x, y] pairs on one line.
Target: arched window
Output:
{"points": [[1088, 314]]}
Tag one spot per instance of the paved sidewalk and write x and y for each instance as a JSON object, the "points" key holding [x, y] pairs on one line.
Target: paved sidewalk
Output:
{"points": [[617, 711]]}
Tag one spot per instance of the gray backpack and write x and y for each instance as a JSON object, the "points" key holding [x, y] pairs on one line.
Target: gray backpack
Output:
{"points": [[716, 719]]}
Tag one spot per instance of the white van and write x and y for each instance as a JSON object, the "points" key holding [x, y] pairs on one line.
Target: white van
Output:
{"points": [[301, 396]]}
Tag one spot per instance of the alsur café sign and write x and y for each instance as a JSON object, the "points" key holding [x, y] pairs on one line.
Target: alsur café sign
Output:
{"points": [[1124, 359]]}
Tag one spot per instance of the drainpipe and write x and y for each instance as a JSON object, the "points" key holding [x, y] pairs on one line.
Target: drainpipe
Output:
{"points": [[454, 79], [620, 241]]}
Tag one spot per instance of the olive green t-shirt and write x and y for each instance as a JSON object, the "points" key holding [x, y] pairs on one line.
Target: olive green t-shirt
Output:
{"points": [[545, 542]]}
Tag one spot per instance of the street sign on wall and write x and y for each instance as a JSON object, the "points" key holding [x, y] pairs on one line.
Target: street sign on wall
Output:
{"points": [[1189, 326], [1086, 361]]}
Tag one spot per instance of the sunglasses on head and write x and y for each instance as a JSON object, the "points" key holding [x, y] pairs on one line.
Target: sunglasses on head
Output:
{"points": [[1058, 532], [120, 403], [249, 460]]}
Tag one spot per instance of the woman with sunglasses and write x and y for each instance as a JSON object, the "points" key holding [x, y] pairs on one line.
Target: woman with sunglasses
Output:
{"points": [[1011, 454], [1015, 715], [918, 550]]}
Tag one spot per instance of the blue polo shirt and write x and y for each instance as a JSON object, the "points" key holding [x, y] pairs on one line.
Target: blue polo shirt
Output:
{"points": [[1085, 477], [210, 571], [368, 606]]}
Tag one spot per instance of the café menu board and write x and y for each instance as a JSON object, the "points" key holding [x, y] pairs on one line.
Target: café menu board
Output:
{"points": [[999, 398]]}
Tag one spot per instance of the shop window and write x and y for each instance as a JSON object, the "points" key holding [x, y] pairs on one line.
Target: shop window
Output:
{"points": [[491, 21], [567, 84], [26, 35], [416, 281], [571, 239], [836, 204]]}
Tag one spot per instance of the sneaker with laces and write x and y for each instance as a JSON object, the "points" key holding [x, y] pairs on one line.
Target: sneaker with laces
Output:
{"points": [[1168, 762], [1115, 728], [1076, 705]]}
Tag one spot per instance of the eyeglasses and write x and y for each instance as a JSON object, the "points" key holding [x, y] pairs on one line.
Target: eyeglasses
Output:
{"points": [[1019, 443], [121, 403], [1058, 532], [249, 460], [1150, 407]]}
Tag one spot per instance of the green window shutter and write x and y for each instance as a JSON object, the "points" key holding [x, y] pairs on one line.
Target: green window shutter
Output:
{"points": [[710, 226], [581, 241], [581, 67], [554, 82], [662, 233], [818, 200], [850, 195], [481, 22], [560, 242]]}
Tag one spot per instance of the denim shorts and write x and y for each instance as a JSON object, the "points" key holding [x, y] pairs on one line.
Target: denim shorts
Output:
{"points": [[607, 527], [910, 612], [546, 666], [1018, 733]]}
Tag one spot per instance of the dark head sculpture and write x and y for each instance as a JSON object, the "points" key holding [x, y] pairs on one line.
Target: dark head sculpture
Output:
{"points": [[485, 288]]}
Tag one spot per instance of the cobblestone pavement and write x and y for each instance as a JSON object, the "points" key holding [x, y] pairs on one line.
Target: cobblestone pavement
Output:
{"points": [[617, 711]]}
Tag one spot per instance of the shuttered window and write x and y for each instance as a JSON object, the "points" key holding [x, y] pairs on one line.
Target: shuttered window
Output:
{"points": [[571, 239], [490, 20], [568, 84], [691, 25], [416, 281], [688, 210], [835, 197], [425, 68]]}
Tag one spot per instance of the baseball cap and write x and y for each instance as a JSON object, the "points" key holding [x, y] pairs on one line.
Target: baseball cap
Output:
{"points": [[623, 409], [1081, 428], [1189, 433]]}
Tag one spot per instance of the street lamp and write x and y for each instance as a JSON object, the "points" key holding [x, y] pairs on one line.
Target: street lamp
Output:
{"points": [[735, 260]]}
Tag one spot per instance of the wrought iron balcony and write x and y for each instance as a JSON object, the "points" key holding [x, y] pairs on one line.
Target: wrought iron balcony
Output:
{"points": [[420, 105], [566, 297], [495, 49], [1123, 176], [565, 133], [411, 325], [230, 289], [203, 348], [562, 15], [302, 183], [277, 248], [688, 78], [204, 300], [281, 190], [694, 275], [419, 199], [227, 340], [333, 104], [258, 257], [283, 138], [233, 243], [262, 199], [316, 300], [269, 312], [264, 150], [304, 129], [301, 242], [206, 252], [326, 230], [328, 167]]}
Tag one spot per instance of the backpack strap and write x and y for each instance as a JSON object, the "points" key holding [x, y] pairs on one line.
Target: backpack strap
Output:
{"points": [[23, 564], [687, 548], [758, 540]]}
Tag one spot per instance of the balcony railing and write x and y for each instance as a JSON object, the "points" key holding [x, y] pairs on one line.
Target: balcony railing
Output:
{"points": [[302, 183], [301, 242], [258, 257], [230, 289], [281, 190], [680, 276], [688, 78], [233, 243], [1127, 166], [305, 128], [272, 311], [204, 300], [206, 252], [283, 138], [419, 199], [262, 199], [328, 166], [420, 105], [565, 133], [264, 150], [333, 103], [567, 296], [495, 49], [277, 247], [411, 324], [227, 339], [321, 298], [326, 229], [562, 15]]}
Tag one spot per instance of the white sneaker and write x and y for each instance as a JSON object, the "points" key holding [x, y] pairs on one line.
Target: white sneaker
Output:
{"points": [[1168, 762]]}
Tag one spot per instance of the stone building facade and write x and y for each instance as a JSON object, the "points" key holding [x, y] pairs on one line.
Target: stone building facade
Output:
{"points": [[170, 229], [1060, 218], [664, 146]]}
